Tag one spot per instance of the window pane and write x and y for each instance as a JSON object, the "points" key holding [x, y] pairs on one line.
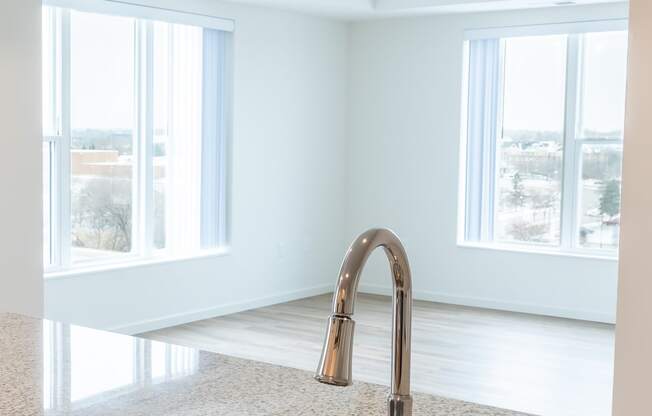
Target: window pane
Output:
{"points": [[51, 70], [603, 76], [102, 107], [600, 196], [529, 153]]}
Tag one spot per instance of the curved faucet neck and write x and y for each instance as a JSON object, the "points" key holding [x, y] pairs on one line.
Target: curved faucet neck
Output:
{"points": [[356, 256], [347, 287]]}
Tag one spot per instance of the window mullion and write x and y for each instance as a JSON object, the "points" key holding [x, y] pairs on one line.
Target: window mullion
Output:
{"points": [[570, 181], [143, 225]]}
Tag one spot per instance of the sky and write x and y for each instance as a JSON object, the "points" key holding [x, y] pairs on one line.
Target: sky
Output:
{"points": [[101, 71], [535, 82]]}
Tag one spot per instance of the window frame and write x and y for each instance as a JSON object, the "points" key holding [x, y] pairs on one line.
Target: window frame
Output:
{"points": [[138, 11], [143, 250], [484, 206]]}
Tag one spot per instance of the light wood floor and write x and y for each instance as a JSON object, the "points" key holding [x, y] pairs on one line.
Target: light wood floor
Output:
{"points": [[535, 364]]}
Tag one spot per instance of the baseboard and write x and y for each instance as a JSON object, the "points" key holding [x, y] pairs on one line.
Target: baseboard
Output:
{"points": [[497, 304], [199, 314]]}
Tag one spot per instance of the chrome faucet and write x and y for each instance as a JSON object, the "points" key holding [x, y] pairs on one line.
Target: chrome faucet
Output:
{"points": [[335, 364]]}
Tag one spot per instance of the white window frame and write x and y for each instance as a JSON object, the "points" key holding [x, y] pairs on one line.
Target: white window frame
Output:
{"points": [[572, 146], [138, 11], [142, 251]]}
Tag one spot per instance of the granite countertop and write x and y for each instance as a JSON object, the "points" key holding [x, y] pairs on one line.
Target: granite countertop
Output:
{"points": [[49, 368]]}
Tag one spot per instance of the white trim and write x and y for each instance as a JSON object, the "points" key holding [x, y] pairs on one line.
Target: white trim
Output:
{"points": [[607, 25], [464, 146], [220, 310], [127, 9], [132, 262], [581, 253], [488, 303]]}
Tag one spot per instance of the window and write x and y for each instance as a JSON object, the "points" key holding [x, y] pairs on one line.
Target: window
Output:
{"points": [[135, 132], [545, 115]]}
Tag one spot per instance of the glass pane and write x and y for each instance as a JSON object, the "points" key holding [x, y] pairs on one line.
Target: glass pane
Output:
{"points": [[51, 70], [47, 203], [529, 153], [603, 76], [600, 196], [102, 118], [161, 102]]}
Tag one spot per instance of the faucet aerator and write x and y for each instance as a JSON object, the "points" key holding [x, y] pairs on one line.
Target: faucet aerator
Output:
{"points": [[335, 364]]}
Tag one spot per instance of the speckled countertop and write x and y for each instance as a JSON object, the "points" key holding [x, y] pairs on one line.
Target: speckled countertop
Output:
{"points": [[49, 368]]}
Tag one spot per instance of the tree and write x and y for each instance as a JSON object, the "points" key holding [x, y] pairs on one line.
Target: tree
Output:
{"points": [[543, 199], [610, 198], [101, 214], [528, 231], [517, 195]]}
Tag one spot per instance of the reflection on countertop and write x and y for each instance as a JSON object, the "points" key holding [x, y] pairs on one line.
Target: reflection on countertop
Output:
{"points": [[50, 368]]}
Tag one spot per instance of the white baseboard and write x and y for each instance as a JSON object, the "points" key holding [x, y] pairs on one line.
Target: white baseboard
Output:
{"points": [[497, 304], [199, 314]]}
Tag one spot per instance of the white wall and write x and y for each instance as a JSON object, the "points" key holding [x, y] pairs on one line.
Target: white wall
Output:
{"points": [[21, 283], [633, 364], [340, 127], [288, 184], [406, 78]]}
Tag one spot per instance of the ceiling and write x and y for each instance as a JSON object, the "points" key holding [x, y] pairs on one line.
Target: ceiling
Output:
{"points": [[365, 9]]}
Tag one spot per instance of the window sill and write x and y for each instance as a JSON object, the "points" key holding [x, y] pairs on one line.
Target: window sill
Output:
{"points": [[133, 262], [583, 254]]}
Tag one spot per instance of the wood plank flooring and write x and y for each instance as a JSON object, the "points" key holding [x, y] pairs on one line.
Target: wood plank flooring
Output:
{"points": [[540, 365]]}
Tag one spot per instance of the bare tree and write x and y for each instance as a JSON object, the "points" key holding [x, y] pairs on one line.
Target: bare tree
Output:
{"points": [[528, 231], [101, 214]]}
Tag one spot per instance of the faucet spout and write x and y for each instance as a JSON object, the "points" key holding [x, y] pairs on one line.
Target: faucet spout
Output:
{"points": [[335, 364]]}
